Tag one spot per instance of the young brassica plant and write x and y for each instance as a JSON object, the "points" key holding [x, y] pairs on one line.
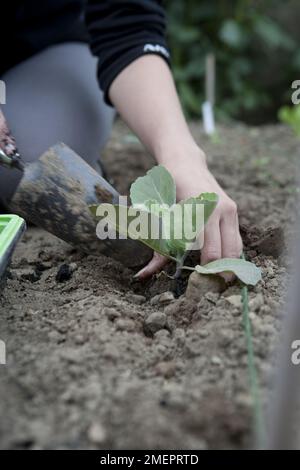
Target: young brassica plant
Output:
{"points": [[153, 198]]}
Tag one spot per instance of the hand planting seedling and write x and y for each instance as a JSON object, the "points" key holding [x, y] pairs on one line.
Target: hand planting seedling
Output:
{"points": [[153, 198]]}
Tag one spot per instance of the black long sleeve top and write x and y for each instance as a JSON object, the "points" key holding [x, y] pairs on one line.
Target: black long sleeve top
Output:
{"points": [[118, 31]]}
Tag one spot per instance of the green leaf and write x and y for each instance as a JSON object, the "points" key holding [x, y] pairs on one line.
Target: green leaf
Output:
{"points": [[155, 219], [124, 220], [272, 34], [93, 209], [232, 34], [210, 200], [157, 185], [189, 218], [171, 239], [182, 223], [291, 116], [153, 206], [247, 272], [182, 217]]}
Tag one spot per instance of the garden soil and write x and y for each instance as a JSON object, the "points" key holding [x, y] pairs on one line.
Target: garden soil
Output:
{"points": [[96, 359]]}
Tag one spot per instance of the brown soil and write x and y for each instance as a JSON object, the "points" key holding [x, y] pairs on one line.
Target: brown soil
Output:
{"points": [[96, 360]]}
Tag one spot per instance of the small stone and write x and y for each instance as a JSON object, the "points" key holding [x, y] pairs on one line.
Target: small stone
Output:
{"points": [[73, 267], [161, 349], [252, 316], [251, 254], [172, 308], [125, 324], [270, 272], [154, 322], [212, 297], [62, 327], [97, 433], [256, 303], [216, 361], [110, 352], [166, 369], [64, 273], [203, 333], [199, 285], [267, 329], [162, 299], [43, 255], [193, 348], [27, 274], [225, 338], [79, 339], [265, 310], [92, 314], [236, 312], [111, 313], [244, 400], [161, 335], [71, 355], [40, 433], [43, 265], [136, 299], [235, 300], [55, 336], [179, 336]]}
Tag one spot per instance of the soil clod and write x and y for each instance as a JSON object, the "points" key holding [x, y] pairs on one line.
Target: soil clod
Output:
{"points": [[64, 273], [154, 322]]}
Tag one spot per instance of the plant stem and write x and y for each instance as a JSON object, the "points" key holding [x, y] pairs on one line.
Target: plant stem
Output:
{"points": [[188, 268], [179, 266]]}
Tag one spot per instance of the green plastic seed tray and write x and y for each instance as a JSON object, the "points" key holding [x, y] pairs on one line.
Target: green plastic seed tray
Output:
{"points": [[11, 229]]}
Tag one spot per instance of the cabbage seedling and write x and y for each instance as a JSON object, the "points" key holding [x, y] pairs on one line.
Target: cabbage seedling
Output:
{"points": [[153, 198]]}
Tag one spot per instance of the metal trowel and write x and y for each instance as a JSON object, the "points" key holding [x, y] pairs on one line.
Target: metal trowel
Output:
{"points": [[55, 192]]}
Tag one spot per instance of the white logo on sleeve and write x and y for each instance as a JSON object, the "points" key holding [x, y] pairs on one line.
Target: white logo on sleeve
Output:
{"points": [[156, 48]]}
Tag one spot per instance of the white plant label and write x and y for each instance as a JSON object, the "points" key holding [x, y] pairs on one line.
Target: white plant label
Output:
{"points": [[208, 118]]}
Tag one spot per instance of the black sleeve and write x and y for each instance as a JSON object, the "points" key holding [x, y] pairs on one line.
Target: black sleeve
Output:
{"points": [[121, 31]]}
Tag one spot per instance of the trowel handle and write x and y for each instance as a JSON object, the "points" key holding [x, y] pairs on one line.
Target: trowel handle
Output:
{"points": [[11, 161]]}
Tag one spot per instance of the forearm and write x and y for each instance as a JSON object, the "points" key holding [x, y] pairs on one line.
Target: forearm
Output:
{"points": [[145, 96]]}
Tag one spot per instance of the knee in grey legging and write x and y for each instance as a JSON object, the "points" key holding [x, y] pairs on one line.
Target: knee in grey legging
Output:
{"points": [[54, 97]]}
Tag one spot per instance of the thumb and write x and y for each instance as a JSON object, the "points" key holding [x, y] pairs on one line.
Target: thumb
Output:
{"points": [[155, 265]]}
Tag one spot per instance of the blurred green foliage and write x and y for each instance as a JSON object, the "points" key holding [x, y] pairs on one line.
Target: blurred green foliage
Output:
{"points": [[291, 115], [244, 38]]}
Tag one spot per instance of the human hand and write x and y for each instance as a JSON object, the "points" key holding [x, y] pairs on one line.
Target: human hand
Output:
{"points": [[221, 234]]}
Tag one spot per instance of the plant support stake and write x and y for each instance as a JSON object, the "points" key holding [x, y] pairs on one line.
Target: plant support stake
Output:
{"points": [[208, 105]]}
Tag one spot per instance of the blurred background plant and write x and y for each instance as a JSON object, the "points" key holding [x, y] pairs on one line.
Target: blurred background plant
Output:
{"points": [[291, 115], [256, 46]]}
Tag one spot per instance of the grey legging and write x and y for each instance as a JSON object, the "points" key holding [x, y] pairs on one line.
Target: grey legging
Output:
{"points": [[51, 97]]}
